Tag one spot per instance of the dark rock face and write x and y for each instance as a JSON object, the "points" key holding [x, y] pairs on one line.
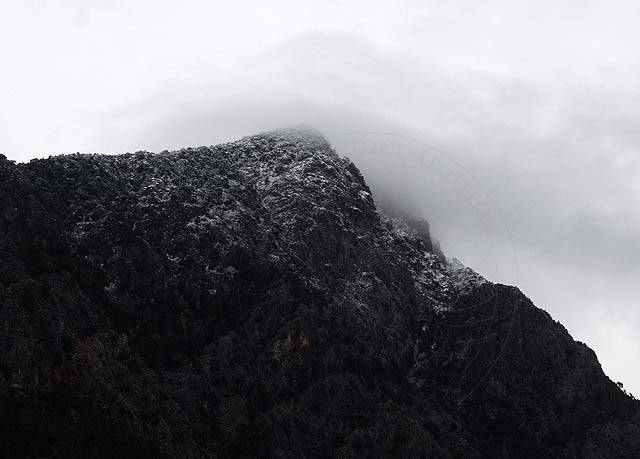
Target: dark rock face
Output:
{"points": [[248, 300]]}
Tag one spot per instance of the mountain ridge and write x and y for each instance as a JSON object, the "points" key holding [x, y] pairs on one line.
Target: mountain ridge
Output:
{"points": [[248, 299]]}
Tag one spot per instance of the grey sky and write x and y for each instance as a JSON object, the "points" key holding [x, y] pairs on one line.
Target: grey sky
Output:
{"points": [[536, 106]]}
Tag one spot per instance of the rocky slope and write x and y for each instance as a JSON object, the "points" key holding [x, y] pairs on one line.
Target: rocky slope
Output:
{"points": [[248, 300]]}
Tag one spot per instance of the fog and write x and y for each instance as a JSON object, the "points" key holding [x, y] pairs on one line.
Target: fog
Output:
{"points": [[513, 128]]}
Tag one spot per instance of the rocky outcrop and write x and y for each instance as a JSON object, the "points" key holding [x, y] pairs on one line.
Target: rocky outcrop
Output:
{"points": [[248, 300]]}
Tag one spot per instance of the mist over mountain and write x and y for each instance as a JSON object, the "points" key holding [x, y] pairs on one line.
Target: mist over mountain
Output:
{"points": [[257, 299]]}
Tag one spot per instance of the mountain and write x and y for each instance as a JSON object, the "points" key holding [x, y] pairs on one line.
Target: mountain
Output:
{"points": [[249, 300]]}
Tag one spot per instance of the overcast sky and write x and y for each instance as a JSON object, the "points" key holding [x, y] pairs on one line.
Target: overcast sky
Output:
{"points": [[513, 127]]}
